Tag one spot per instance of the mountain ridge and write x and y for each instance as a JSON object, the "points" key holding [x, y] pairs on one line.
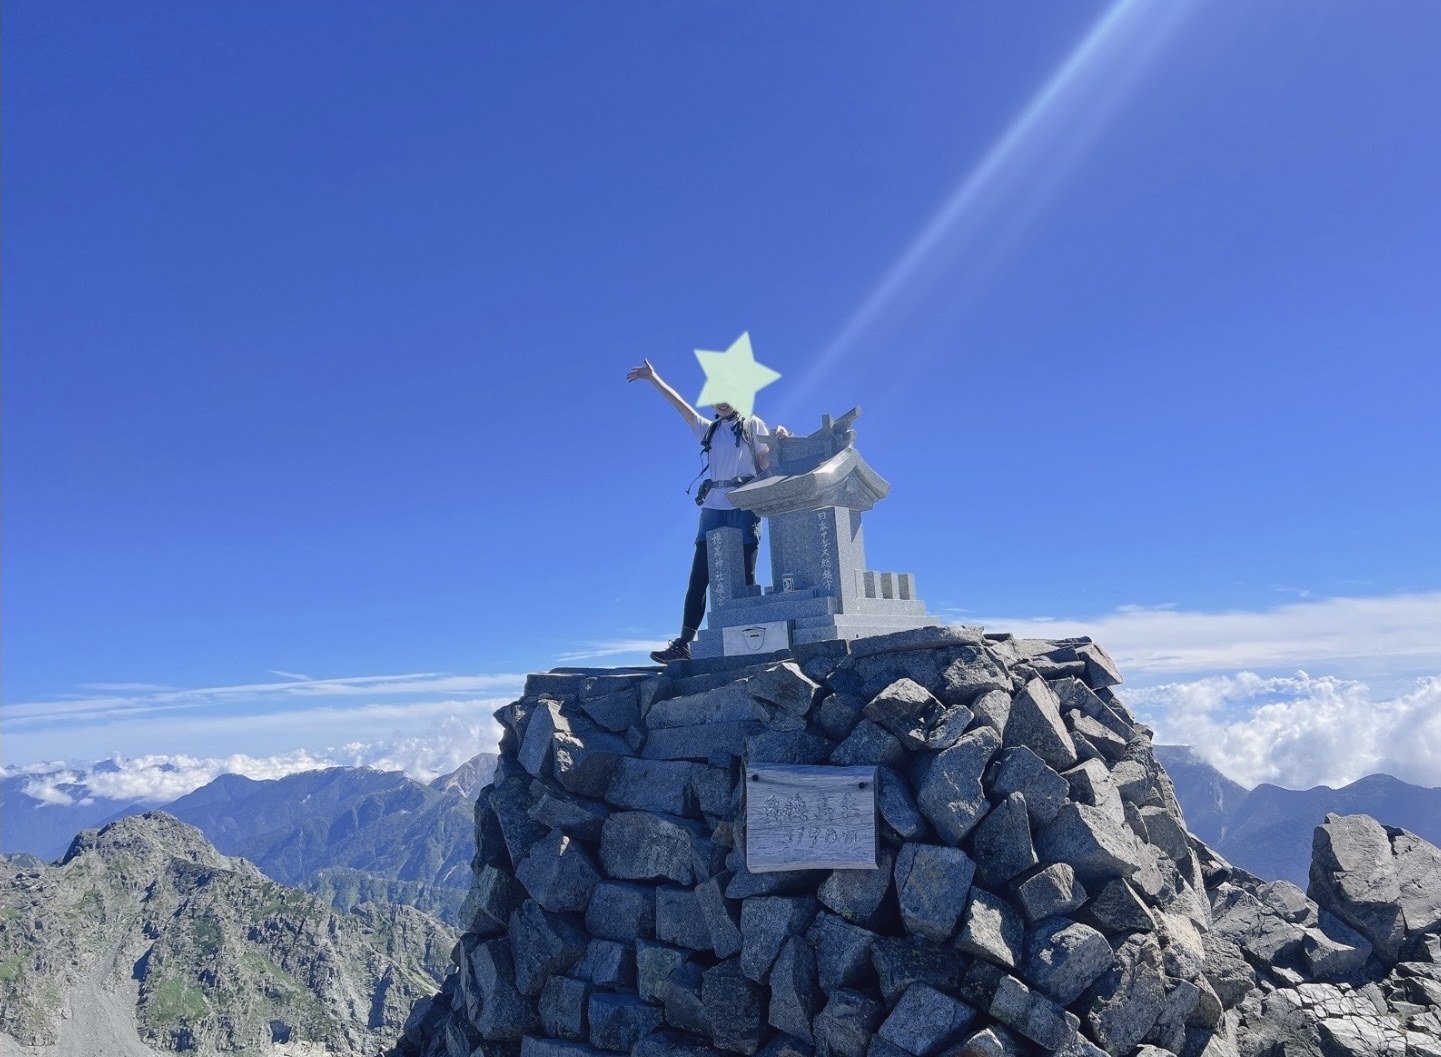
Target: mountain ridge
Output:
{"points": [[355, 834], [1267, 830], [221, 958]]}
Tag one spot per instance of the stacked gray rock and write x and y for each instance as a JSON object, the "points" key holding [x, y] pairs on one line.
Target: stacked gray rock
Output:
{"points": [[1351, 966], [1037, 891]]}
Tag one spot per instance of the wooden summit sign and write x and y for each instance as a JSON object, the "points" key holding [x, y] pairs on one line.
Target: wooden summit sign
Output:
{"points": [[810, 818]]}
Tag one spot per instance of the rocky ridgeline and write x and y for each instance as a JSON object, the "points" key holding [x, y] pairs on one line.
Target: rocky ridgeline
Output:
{"points": [[197, 952], [1038, 891]]}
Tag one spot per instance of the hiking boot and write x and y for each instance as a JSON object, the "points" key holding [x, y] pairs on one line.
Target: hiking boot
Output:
{"points": [[678, 650]]}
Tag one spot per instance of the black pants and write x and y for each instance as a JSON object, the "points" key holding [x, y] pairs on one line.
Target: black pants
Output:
{"points": [[700, 580], [750, 527]]}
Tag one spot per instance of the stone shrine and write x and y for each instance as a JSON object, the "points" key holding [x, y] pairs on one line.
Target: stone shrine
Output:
{"points": [[821, 590]]}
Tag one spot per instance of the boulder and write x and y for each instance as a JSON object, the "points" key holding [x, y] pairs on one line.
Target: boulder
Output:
{"points": [[734, 1006], [531, 1046], [558, 873], [502, 1013], [1124, 1004], [973, 673], [838, 715], [1002, 842], [1165, 831], [1266, 936], [766, 923], [575, 816], [1035, 722], [1169, 1030], [869, 743], [1287, 901], [654, 962], [1095, 846], [992, 930], [585, 757], [784, 686], [712, 742], [720, 915], [1019, 770], [615, 712], [618, 1022], [1064, 957], [510, 802], [679, 920], [1033, 1015], [897, 806], [1227, 971], [1333, 950], [1418, 867], [1118, 908], [899, 963], [793, 986], [662, 786], [493, 897], [857, 895], [949, 793], [1051, 890], [563, 1003], [843, 951], [728, 703], [680, 994], [993, 709], [1090, 783], [843, 1028], [787, 746], [621, 911], [909, 711], [992, 1041], [541, 945], [607, 964], [1109, 743], [925, 1021], [1353, 876], [931, 886], [640, 846]]}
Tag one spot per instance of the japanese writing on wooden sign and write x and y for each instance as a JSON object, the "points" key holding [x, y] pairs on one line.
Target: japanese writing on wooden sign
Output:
{"points": [[810, 818]]}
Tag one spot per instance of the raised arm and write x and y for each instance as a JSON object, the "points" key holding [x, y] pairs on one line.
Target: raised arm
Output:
{"points": [[648, 373]]}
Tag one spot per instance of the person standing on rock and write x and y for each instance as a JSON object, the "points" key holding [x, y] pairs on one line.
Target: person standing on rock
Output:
{"points": [[736, 449]]}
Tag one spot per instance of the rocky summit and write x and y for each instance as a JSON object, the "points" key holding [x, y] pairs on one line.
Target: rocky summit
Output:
{"points": [[1037, 889], [144, 937]]}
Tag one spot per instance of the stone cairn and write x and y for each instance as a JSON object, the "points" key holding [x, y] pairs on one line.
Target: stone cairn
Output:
{"points": [[1036, 889]]}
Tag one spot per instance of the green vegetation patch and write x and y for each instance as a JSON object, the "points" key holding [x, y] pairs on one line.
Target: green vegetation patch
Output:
{"points": [[207, 935], [176, 1002], [12, 968]]}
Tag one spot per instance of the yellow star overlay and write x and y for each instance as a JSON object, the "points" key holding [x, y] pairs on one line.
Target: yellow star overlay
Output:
{"points": [[733, 377]]}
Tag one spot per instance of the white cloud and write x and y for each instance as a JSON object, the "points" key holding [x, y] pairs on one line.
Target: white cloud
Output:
{"points": [[45, 791], [448, 741], [1299, 731], [1312, 692], [1379, 639], [144, 699], [612, 648]]}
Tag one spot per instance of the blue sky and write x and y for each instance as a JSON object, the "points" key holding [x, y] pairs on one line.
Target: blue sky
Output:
{"points": [[317, 319]]}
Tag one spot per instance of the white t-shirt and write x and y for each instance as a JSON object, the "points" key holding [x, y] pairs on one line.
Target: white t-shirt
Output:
{"points": [[728, 457]]}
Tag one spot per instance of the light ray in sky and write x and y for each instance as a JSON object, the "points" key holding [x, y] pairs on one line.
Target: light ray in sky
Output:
{"points": [[1006, 189]]}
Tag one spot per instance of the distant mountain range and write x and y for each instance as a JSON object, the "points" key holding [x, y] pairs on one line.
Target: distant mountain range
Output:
{"points": [[350, 834], [144, 937], [1267, 830]]}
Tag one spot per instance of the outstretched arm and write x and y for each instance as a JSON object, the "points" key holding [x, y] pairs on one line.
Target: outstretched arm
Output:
{"points": [[648, 373]]}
